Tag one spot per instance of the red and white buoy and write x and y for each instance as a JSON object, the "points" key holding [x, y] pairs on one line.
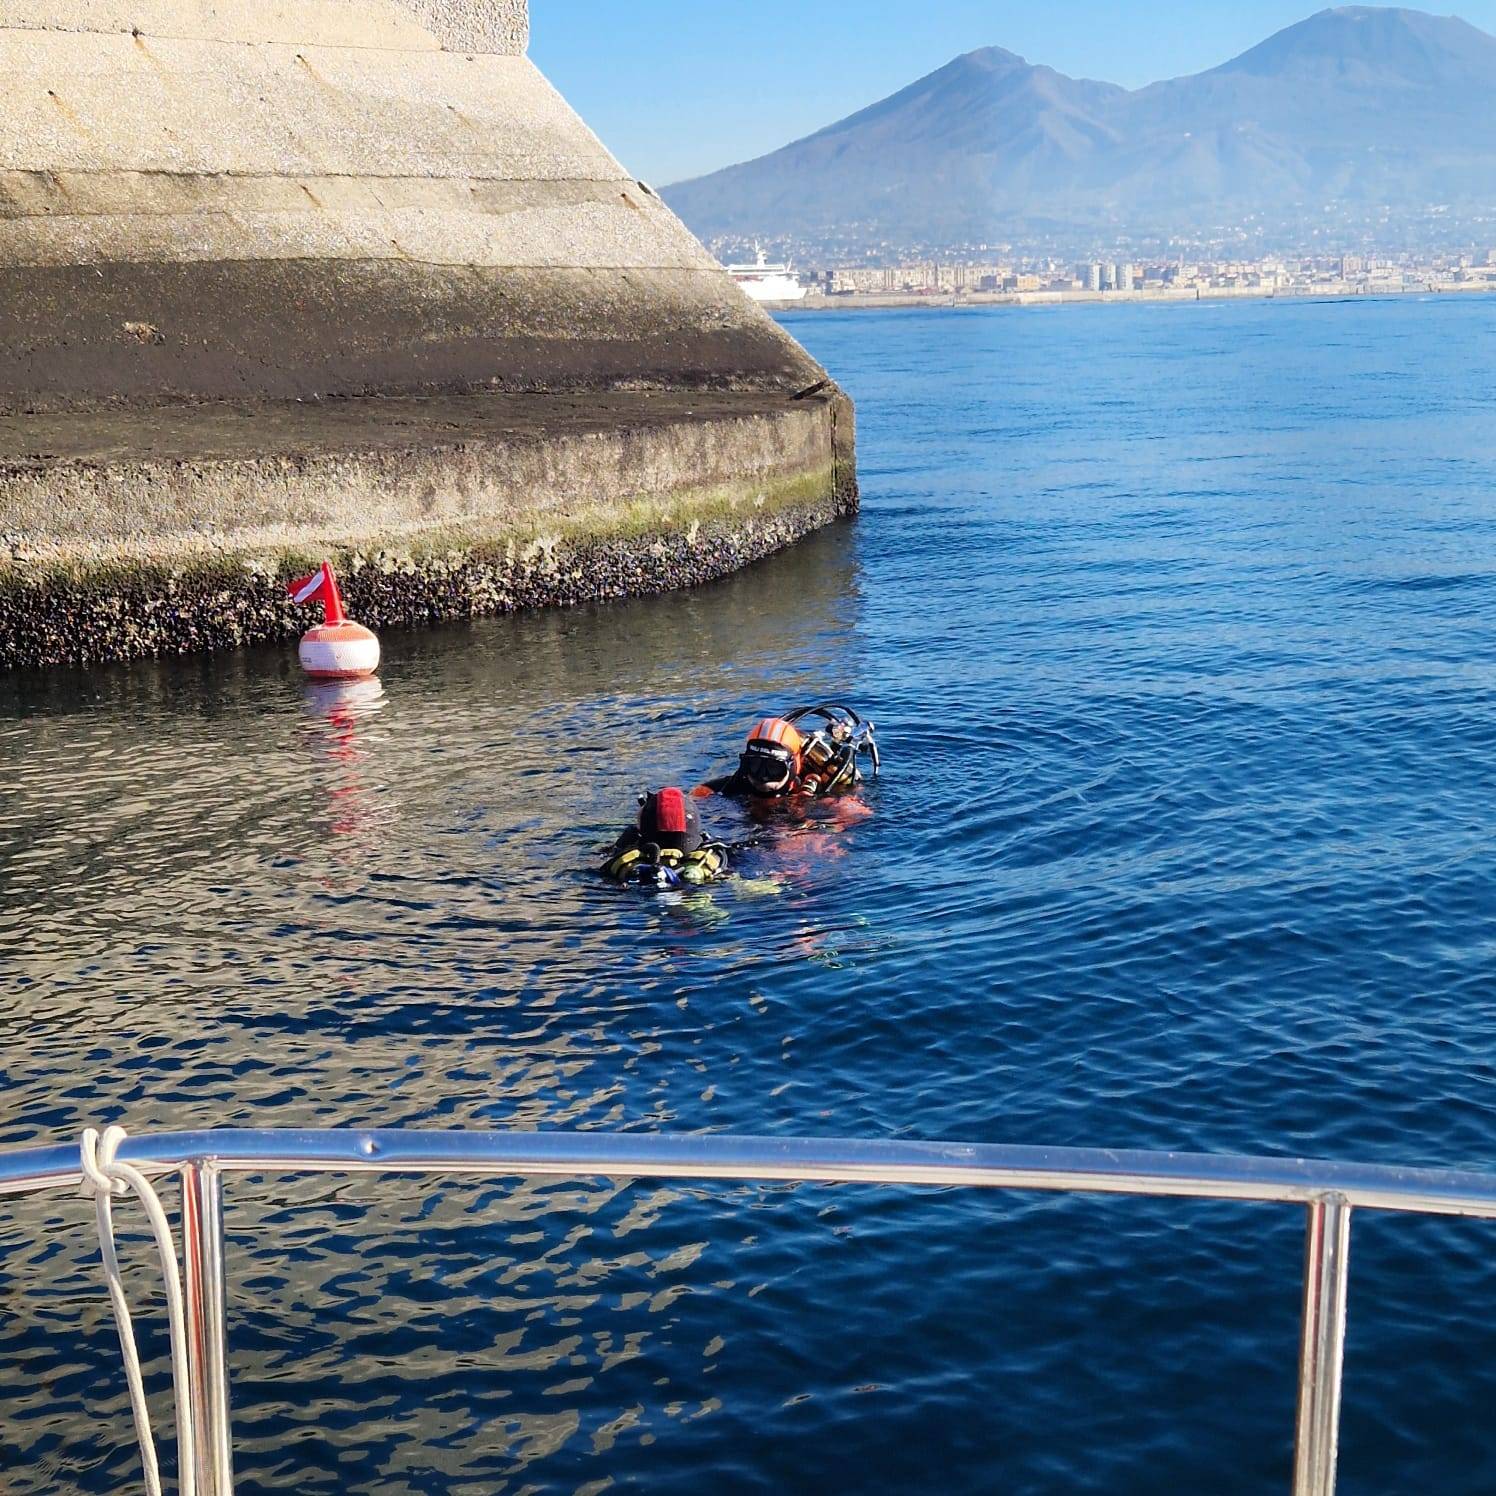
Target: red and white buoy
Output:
{"points": [[337, 649]]}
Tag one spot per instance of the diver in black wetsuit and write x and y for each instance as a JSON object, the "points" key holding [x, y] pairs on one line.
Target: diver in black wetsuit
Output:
{"points": [[666, 846], [811, 752]]}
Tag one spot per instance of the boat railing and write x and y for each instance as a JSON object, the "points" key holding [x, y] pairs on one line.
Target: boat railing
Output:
{"points": [[1329, 1193]]}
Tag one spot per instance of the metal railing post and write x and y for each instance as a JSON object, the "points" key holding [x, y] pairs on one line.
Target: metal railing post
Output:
{"points": [[203, 1290], [1322, 1351]]}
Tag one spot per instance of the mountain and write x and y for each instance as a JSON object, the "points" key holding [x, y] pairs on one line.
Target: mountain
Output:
{"points": [[1383, 112]]}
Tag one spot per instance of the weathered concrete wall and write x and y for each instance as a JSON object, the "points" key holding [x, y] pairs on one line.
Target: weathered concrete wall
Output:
{"points": [[252, 218], [497, 26], [336, 207], [249, 477], [517, 504], [477, 25]]}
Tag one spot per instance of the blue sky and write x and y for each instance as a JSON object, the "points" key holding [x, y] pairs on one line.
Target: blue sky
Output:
{"points": [[680, 87]]}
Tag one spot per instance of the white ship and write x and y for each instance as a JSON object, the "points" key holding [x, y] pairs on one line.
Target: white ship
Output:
{"points": [[766, 282]]}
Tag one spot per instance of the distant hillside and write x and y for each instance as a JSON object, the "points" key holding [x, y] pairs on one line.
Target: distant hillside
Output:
{"points": [[1389, 109]]}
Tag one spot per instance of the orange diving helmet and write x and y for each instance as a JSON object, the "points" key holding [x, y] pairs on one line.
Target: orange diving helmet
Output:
{"points": [[771, 762]]}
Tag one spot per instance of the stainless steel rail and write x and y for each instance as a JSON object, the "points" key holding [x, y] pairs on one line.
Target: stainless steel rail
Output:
{"points": [[1330, 1192]]}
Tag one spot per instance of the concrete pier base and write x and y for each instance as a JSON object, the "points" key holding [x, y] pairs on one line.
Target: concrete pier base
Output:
{"points": [[171, 531]]}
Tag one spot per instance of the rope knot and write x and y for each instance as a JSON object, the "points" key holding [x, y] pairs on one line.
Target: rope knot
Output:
{"points": [[96, 1153]]}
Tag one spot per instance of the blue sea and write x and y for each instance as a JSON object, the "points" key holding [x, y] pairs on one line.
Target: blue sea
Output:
{"points": [[1177, 627]]}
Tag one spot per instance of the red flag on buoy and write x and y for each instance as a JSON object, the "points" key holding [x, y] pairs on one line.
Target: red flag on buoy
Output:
{"points": [[321, 586], [337, 649]]}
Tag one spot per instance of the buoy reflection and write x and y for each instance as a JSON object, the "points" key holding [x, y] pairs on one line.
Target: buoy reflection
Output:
{"points": [[345, 700], [341, 710]]}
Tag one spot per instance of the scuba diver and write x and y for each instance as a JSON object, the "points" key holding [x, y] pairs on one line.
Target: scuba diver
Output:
{"points": [[813, 752], [665, 847]]}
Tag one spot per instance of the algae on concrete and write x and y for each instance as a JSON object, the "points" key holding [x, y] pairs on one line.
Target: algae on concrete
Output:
{"points": [[65, 612]]}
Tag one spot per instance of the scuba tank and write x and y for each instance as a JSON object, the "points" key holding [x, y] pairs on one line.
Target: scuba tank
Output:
{"points": [[836, 738], [645, 865], [645, 869]]}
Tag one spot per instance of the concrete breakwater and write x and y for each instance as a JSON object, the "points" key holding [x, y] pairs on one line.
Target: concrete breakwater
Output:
{"points": [[299, 278], [512, 504]]}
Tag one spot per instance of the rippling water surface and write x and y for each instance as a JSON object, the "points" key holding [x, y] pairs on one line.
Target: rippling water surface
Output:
{"points": [[1177, 625]]}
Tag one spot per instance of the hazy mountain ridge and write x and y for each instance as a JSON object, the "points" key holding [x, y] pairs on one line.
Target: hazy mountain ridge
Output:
{"points": [[1356, 105]]}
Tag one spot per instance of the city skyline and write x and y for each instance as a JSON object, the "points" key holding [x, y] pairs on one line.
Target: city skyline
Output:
{"points": [[1037, 279]]}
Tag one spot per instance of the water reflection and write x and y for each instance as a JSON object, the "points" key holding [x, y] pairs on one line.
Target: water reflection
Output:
{"points": [[1185, 842], [373, 902], [343, 702], [341, 708]]}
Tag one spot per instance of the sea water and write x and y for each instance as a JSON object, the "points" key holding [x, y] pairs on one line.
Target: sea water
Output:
{"points": [[1176, 625]]}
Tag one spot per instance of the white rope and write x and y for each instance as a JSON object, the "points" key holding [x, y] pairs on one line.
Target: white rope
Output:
{"points": [[104, 1176]]}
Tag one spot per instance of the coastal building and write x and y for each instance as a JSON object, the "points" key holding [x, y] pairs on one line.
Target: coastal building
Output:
{"points": [[869, 281], [292, 280]]}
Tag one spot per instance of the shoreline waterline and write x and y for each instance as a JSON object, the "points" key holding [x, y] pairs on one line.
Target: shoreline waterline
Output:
{"points": [[1040, 300]]}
